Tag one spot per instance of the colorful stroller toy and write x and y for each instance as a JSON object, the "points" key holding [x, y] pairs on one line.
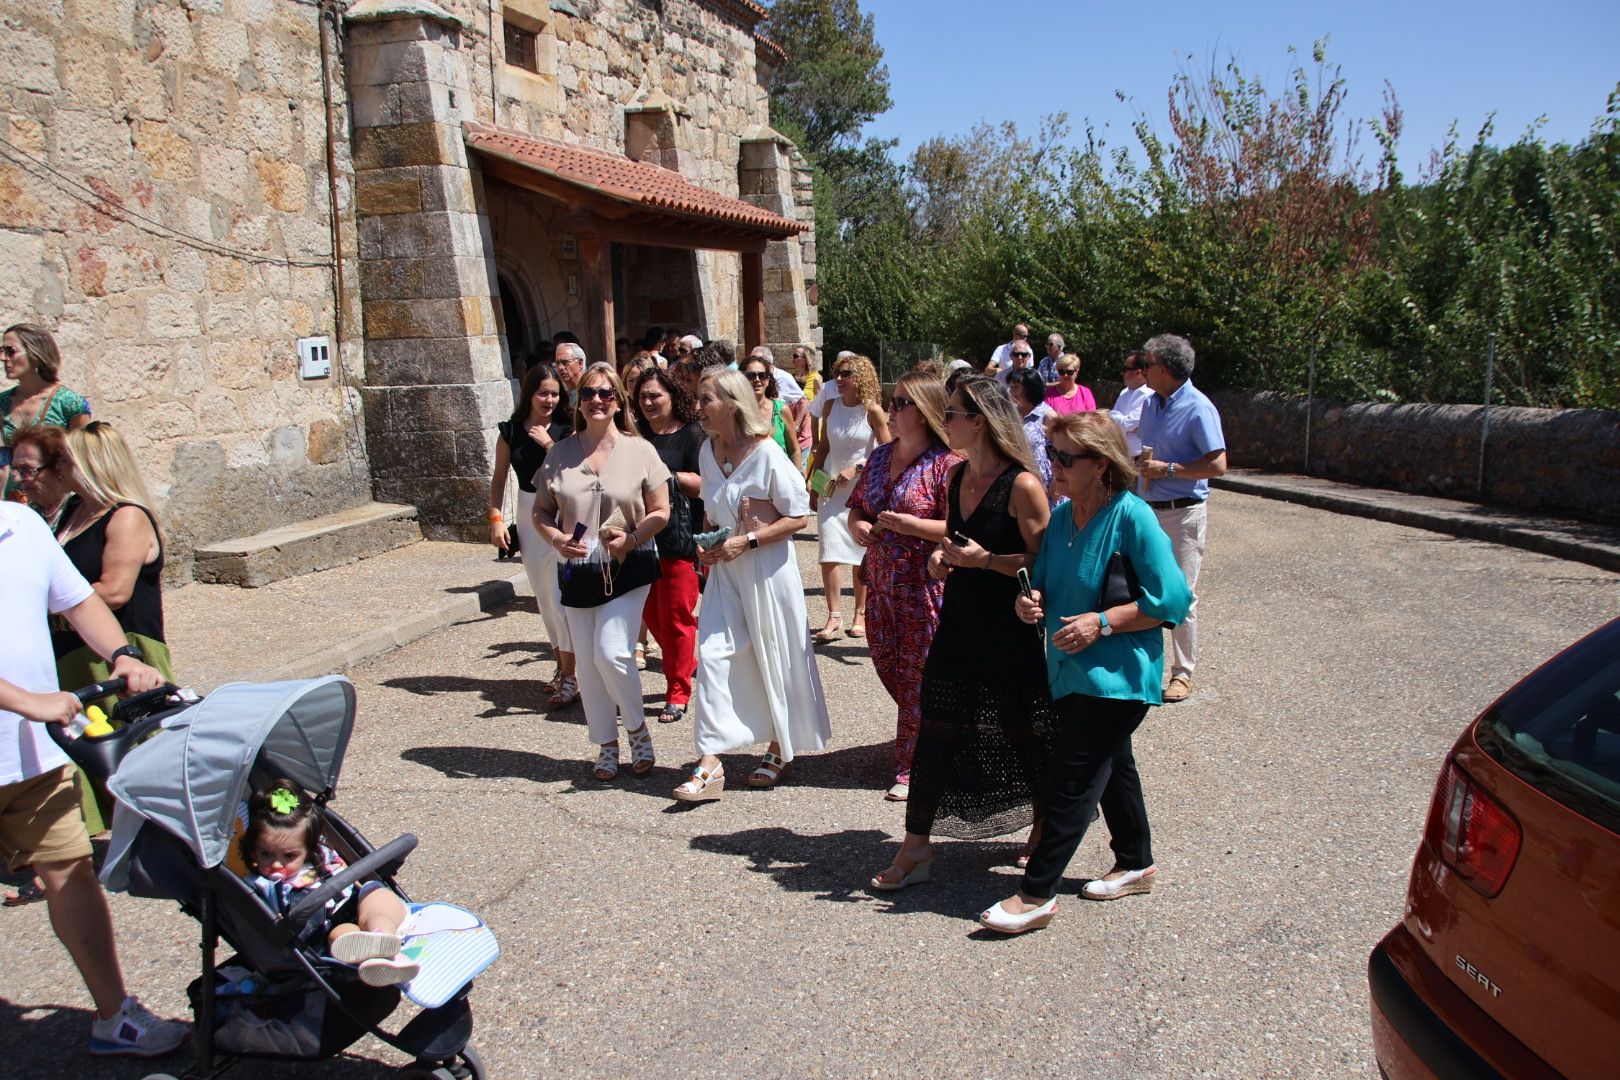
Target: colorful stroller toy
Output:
{"points": [[180, 769]]}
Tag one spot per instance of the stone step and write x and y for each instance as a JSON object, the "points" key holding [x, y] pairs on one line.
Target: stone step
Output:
{"points": [[306, 546]]}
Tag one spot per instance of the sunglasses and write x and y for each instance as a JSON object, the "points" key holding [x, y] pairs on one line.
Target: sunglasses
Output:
{"points": [[1068, 371], [1023, 355], [597, 393], [959, 414], [845, 374], [1066, 459], [9, 351], [897, 403], [757, 376], [683, 352]]}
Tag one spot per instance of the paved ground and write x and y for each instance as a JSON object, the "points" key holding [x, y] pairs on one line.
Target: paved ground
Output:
{"points": [[1340, 658]]}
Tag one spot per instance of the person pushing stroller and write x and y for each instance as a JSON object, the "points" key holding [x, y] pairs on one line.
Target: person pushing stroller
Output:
{"points": [[282, 848]]}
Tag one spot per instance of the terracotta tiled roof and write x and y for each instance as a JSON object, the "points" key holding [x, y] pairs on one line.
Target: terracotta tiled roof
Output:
{"points": [[763, 42], [637, 183]]}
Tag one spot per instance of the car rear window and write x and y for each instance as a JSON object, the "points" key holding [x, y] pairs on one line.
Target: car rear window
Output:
{"points": [[1559, 730]]}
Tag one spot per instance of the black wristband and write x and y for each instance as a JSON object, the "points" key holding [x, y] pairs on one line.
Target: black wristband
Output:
{"points": [[126, 650]]}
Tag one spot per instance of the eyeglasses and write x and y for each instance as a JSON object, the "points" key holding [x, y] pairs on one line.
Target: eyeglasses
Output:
{"points": [[959, 414], [757, 376], [845, 374], [1066, 459], [28, 472], [897, 403], [597, 393]]}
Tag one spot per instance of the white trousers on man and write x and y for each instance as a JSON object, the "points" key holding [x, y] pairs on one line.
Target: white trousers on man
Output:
{"points": [[1186, 530], [605, 650]]}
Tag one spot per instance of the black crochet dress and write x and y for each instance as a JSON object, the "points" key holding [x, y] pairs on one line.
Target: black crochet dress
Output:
{"points": [[983, 750]]}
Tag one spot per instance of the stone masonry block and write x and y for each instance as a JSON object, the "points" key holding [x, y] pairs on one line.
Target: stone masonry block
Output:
{"points": [[418, 361], [317, 544], [388, 191], [762, 154], [417, 319], [405, 144]]}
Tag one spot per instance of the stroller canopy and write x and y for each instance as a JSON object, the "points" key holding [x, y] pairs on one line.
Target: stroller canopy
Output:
{"points": [[190, 778]]}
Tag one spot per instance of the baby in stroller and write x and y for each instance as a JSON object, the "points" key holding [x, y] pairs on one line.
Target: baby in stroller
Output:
{"points": [[282, 847]]}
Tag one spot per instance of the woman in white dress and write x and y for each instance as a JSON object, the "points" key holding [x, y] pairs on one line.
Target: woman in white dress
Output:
{"points": [[756, 679], [854, 423]]}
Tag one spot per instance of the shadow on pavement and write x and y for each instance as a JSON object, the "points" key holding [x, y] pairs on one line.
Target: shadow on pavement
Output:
{"points": [[496, 763], [506, 697], [839, 866]]}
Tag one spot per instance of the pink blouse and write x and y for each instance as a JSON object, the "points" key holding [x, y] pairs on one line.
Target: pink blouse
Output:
{"points": [[1082, 401]]}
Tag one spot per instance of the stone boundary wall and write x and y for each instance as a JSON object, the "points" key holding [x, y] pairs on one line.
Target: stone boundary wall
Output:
{"points": [[1562, 461], [165, 212]]}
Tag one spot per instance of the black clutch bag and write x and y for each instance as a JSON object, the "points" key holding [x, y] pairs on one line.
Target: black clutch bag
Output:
{"points": [[1120, 586]]}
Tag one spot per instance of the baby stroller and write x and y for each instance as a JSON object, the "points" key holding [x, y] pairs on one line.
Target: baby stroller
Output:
{"points": [[180, 768]]}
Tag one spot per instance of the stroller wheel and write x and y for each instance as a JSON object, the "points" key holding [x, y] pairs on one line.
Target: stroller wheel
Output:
{"points": [[160, 1076], [466, 1066]]}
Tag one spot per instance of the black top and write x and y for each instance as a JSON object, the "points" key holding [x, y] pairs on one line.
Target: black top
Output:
{"points": [[524, 453], [679, 452], [978, 626], [143, 613]]}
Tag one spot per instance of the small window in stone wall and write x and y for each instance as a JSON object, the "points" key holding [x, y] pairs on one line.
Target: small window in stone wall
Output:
{"points": [[520, 48]]}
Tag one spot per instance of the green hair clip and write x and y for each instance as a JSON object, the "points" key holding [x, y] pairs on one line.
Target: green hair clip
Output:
{"points": [[283, 800]]}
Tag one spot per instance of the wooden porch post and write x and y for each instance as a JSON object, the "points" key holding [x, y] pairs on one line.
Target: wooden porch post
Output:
{"points": [[753, 300], [596, 271]]}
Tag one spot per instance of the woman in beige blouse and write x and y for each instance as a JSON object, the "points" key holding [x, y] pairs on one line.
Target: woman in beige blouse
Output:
{"points": [[601, 497]]}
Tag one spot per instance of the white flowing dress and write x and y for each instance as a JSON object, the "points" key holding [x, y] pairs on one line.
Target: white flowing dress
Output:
{"points": [[756, 676], [849, 442]]}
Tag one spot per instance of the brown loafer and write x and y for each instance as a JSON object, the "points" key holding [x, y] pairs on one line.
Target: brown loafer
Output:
{"points": [[1180, 689]]}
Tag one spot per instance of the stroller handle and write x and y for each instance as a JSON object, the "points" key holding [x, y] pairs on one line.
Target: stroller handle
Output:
{"points": [[100, 690], [98, 755]]}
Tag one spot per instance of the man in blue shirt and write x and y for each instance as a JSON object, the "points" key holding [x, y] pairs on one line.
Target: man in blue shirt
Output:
{"points": [[1183, 447]]}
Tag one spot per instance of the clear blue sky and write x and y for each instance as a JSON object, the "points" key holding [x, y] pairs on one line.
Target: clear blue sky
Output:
{"points": [[952, 63]]}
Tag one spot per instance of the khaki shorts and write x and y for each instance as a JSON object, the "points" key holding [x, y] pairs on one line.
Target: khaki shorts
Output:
{"points": [[42, 821]]}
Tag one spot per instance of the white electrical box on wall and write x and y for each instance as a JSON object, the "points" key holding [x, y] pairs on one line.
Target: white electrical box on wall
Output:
{"points": [[314, 358]]}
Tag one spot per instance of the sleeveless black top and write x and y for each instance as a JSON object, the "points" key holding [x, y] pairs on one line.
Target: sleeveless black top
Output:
{"points": [[979, 633], [143, 613], [524, 453]]}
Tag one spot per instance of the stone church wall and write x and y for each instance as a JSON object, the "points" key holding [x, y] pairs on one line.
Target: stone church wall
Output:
{"points": [[165, 211]]}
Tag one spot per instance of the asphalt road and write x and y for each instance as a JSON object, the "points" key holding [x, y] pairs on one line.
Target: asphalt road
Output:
{"points": [[1339, 659]]}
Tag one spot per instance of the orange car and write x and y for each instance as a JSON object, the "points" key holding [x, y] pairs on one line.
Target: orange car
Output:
{"points": [[1507, 962]]}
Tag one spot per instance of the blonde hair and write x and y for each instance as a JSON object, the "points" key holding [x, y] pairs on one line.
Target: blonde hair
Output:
{"points": [[733, 389], [624, 419], [989, 399], [1097, 433], [928, 395], [866, 378], [108, 467]]}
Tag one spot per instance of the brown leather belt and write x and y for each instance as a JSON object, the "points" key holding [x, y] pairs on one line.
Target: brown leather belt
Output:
{"points": [[1176, 504]]}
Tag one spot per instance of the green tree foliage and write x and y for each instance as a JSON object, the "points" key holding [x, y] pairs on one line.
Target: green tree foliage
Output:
{"points": [[1253, 227]]}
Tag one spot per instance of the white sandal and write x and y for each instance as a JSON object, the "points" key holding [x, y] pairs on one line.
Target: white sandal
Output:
{"points": [[607, 762], [702, 785], [641, 750]]}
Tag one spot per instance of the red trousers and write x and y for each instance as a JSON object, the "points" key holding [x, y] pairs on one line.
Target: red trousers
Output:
{"points": [[671, 617]]}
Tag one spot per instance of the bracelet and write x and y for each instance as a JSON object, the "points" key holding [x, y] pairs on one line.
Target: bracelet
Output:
{"points": [[989, 557], [495, 515]]}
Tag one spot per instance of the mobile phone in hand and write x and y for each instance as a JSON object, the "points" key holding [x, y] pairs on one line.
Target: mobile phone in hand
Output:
{"points": [[959, 539], [579, 532]]}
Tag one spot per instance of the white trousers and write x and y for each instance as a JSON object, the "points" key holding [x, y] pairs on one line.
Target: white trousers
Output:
{"points": [[604, 645], [1186, 530], [540, 563]]}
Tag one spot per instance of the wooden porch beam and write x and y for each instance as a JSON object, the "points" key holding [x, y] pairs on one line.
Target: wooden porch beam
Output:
{"points": [[753, 300], [596, 274]]}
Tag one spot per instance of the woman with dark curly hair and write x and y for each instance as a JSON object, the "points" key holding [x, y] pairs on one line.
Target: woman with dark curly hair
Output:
{"points": [[665, 417], [853, 424]]}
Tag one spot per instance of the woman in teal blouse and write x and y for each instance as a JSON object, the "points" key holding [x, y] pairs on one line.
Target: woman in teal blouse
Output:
{"points": [[1105, 664]]}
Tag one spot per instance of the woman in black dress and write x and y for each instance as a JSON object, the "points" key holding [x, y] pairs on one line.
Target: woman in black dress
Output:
{"points": [[538, 421], [986, 710]]}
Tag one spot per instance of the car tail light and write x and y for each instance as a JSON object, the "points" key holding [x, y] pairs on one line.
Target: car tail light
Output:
{"points": [[1472, 832]]}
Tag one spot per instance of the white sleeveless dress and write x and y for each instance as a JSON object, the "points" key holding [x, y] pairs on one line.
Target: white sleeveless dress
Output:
{"points": [[849, 441]]}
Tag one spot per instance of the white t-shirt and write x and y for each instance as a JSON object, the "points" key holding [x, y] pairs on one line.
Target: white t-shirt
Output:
{"points": [[1127, 413], [787, 387], [36, 578]]}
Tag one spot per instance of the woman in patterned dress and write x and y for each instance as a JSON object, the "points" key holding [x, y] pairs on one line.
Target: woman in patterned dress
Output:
{"points": [[897, 512]]}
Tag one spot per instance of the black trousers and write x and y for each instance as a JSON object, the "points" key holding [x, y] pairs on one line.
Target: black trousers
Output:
{"points": [[1091, 764]]}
